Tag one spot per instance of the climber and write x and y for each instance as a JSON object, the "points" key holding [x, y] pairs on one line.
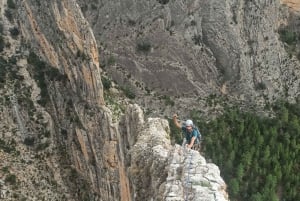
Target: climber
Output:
{"points": [[190, 132]]}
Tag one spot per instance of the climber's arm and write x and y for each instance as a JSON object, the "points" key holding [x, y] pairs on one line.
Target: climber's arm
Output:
{"points": [[177, 124]]}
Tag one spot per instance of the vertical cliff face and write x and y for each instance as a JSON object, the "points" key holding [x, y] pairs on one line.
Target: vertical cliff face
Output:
{"points": [[82, 126], [65, 40], [58, 107], [58, 139], [266, 70]]}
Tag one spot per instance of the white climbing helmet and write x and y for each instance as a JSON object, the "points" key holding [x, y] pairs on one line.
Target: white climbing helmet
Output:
{"points": [[189, 123]]}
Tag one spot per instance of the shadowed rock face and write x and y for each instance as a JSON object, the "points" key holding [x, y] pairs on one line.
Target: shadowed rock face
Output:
{"points": [[196, 48]]}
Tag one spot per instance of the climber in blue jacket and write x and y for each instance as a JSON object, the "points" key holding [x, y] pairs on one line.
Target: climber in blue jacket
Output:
{"points": [[190, 132]]}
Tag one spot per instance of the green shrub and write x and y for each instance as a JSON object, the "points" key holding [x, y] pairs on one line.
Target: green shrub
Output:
{"points": [[84, 8], [128, 92], [163, 1], [168, 100], [94, 7], [1, 28], [261, 86], [111, 60], [106, 83], [29, 141], [193, 23], [287, 36], [196, 39], [147, 90], [131, 22], [3, 69], [11, 179], [143, 46], [41, 71], [7, 147], [55, 74], [5, 169], [12, 60], [9, 15], [35, 60], [47, 134], [14, 32], [11, 4], [81, 55], [298, 55], [42, 146]]}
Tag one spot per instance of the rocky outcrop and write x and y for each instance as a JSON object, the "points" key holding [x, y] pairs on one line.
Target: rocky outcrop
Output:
{"points": [[160, 171]]}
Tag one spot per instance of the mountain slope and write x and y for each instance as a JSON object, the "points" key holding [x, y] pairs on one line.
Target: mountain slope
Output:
{"points": [[189, 50]]}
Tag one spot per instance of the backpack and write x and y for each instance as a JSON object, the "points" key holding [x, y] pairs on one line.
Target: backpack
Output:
{"points": [[199, 137]]}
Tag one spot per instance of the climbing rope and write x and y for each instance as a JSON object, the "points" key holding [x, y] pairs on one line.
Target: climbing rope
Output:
{"points": [[188, 177]]}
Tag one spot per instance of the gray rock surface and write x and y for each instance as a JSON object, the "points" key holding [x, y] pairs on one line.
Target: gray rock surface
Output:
{"points": [[190, 177], [191, 49], [160, 171]]}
